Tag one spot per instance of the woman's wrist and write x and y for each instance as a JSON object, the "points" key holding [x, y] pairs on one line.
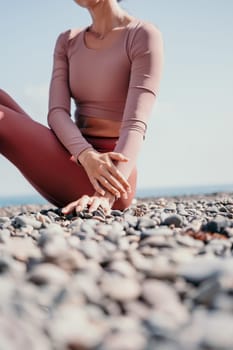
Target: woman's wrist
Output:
{"points": [[83, 155]]}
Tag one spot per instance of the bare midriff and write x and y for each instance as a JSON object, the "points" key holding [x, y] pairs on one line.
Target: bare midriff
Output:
{"points": [[99, 127]]}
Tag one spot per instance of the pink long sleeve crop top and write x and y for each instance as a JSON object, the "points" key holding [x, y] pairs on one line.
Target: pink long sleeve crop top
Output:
{"points": [[118, 83]]}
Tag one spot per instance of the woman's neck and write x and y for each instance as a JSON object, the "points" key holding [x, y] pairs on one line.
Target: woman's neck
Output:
{"points": [[107, 15]]}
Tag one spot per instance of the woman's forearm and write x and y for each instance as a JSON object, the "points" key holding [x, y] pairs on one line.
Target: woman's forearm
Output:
{"points": [[67, 132]]}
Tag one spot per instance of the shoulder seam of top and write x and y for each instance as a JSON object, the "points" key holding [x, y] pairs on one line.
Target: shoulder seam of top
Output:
{"points": [[69, 38], [74, 32]]}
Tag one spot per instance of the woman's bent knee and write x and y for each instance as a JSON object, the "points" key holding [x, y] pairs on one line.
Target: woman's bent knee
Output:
{"points": [[1, 118], [2, 93], [2, 115]]}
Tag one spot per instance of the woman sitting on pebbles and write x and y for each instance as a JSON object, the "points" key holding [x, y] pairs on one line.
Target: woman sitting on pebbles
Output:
{"points": [[112, 70]]}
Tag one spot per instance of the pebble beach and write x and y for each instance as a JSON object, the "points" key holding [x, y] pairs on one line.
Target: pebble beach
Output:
{"points": [[157, 276]]}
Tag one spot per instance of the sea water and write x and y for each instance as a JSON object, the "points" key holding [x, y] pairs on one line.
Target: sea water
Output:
{"points": [[141, 193]]}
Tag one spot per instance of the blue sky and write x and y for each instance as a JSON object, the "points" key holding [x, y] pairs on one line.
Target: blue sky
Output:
{"points": [[189, 139]]}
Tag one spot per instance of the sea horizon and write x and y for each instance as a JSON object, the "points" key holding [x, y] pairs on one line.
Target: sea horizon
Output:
{"points": [[140, 193]]}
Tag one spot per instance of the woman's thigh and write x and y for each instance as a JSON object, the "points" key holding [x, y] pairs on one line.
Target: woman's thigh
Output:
{"points": [[45, 163], [41, 158]]}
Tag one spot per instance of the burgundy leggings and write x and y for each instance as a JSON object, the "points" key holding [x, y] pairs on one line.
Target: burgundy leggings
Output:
{"points": [[35, 150]]}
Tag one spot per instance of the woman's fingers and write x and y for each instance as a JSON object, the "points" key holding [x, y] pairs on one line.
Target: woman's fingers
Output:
{"points": [[78, 205], [115, 172], [95, 204], [118, 156], [82, 203], [118, 176], [100, 203], [106, 181], [119, 188], [97, 187], [69, 208], [106, 184]]}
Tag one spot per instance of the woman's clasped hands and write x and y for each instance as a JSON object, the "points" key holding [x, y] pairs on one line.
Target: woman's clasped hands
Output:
{"points": [[103, 174], [107, 181]]}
